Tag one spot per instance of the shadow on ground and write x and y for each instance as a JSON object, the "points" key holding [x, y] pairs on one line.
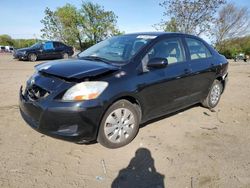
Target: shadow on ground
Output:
{"points": [[139, 173]]}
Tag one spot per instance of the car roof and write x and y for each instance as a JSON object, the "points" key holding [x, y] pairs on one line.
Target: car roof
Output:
{"points": [[48, 41], [156, 33], [54, 42], [162, 34]]}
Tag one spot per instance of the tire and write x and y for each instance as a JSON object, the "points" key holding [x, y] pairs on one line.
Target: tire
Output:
{"points": [[119, 125], [65, 56], [32, 57], [214, 95]]}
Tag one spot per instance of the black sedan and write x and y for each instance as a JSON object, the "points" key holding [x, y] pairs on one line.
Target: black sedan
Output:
{"points": [[44, 50], [120, 83]]}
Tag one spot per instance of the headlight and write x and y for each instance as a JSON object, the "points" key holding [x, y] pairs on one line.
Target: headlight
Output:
{"points": [[85, 91]]}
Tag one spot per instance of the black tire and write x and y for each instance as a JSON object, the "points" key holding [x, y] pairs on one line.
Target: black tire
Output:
{"points": [[124, 106], [211, 101], [32, 57], [65, 55]]}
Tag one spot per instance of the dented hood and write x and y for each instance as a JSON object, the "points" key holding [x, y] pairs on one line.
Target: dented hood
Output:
{"points": [[75, 68]]}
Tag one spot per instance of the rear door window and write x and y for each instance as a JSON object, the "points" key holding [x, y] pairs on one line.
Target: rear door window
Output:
{"points": [[197, 49], [48, 46]]}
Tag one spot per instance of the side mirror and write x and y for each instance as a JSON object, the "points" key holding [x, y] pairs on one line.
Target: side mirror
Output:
{"points": [[39, 48], [157, 63]]}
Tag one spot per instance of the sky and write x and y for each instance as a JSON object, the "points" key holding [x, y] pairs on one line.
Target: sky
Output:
{"points": [[21, 18]]}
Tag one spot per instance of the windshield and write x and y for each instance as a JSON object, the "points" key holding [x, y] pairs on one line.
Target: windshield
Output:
{"points": [[117, 49], [36, 45]]}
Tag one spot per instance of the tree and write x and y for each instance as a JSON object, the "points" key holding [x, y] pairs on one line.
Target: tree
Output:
{"points": [[232, 22], [98, 24], [189, 16], [70, 20], [80, 28], [53, 28], [171, 26], [6, 40]]}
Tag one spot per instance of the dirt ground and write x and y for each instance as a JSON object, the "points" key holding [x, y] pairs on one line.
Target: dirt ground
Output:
{"points": [[193, 148]]}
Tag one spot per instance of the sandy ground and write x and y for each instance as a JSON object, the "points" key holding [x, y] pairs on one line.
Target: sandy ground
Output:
{"points": [[193, 148]]}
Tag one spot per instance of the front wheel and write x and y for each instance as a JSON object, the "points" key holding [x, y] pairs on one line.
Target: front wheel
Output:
{"points": [[32, 57], [214, 95], [119, 124]]}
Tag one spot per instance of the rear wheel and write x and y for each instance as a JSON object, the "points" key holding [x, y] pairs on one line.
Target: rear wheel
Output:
{"points": [[119, 125], [32, 57], [214, 95], [65, 56]]}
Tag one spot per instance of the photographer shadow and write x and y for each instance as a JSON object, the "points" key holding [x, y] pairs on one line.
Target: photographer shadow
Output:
{"points": [[140, 173]]}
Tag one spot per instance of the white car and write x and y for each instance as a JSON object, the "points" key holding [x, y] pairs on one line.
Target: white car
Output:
{"points": [[2, 48], [9, 49]]}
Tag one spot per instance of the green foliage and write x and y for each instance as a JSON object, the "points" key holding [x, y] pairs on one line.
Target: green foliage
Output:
{"points": [[171, 26], [62, 24], [189, 16], [23, 43], [231, 47], [6, 40], [97, 24], [69, 19], [79, 27]]}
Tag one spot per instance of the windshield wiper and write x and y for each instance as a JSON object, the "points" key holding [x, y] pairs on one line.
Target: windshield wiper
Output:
{"points": [[95, 58]]}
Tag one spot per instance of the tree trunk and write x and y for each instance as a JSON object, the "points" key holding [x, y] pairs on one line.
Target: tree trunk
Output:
{"points": [[80, 41]]}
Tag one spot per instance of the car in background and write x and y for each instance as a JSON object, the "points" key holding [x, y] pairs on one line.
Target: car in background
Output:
{"points": [[44, 50], [9, 49], [2, 49], [120, 83], [240, 56]]}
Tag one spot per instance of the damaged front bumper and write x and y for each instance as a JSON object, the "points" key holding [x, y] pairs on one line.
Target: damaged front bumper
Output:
{"points": [[72, 121], [20, 55]]}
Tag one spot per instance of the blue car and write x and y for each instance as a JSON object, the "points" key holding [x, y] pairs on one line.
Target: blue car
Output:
{"points": [[44, 50]]}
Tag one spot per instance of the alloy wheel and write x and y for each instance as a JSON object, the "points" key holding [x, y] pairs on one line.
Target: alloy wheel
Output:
{"points": [[33, 57], [215, 94], [65, 56]]}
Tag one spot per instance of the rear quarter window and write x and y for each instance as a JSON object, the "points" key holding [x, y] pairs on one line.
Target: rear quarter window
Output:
{"points": [[197, 49], [59, 45]]}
